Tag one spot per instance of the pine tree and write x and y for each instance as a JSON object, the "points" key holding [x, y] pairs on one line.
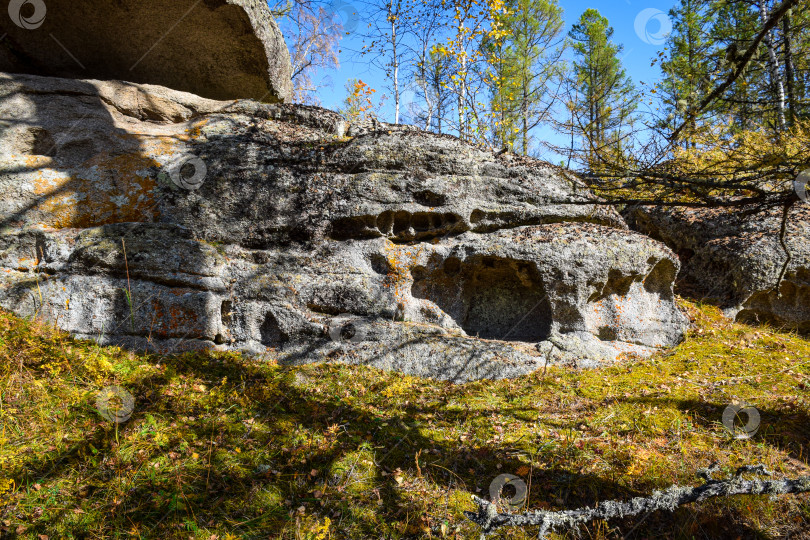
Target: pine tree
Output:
{"points": [[604, 99], [800, 49], [687, 68], [524, 63], [732, 33]]}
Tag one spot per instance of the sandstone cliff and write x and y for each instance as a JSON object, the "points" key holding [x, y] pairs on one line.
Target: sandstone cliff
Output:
{"points": [[158, 219]]}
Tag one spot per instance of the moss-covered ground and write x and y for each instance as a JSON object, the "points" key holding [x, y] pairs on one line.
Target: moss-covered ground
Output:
{"points": [[221, 446]]}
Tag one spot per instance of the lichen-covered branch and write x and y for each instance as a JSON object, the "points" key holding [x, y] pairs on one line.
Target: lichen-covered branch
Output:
{"points": [[488, 518]]}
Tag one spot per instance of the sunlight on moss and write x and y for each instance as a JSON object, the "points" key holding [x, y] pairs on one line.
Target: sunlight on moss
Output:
{"points": [[220, 444], [355, 473]]}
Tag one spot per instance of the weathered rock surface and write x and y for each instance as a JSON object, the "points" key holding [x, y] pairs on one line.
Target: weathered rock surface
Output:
{"points": [[219, 49], [733, 257], [398, 249]]}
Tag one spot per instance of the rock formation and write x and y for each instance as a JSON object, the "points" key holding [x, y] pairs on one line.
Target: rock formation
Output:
{"points": [[158, 219], [734, 257], [219, 49]]}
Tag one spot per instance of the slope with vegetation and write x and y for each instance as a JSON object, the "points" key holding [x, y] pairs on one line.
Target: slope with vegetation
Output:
{"points": [[222, 446]]}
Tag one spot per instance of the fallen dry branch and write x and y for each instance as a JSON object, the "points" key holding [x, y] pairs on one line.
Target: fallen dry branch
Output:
{"points": [[488, 518]]}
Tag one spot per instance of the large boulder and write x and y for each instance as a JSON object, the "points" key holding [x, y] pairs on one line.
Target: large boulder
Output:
{"points": [[153, 218], [220, 49], [734, 257]]}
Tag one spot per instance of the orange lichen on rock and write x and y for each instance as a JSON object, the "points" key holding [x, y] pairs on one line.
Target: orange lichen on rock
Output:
{"points": [[113, 190], [400, 260], [195, 131]]}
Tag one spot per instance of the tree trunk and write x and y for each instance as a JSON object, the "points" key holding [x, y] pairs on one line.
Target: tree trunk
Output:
{"points": [[773, 64], [462, 98], [395, 61], [423, 82], [789, 71], [488, 518], [525, 114]]}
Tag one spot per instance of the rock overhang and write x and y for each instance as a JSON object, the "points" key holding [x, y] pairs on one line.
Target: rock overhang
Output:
{"points": [[733, 257], [220, 49]]}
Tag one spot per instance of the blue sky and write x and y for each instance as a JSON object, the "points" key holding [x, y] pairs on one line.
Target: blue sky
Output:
{"points": [[622, 14]]}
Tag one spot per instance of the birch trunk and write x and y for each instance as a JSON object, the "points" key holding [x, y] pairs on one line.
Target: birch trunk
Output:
{"points": [[789, 70], [773, 64], [392, 17]]}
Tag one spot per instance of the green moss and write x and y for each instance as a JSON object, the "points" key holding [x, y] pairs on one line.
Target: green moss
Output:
{"points": [[355, 473], [224, 445]]}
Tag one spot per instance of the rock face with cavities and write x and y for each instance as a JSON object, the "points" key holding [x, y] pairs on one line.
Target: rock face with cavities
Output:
{"points": [[265, 228], [733, 258]]}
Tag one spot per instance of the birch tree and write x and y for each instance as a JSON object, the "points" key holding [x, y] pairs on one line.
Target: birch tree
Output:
{"points": [[313, 34], [472, 22], [773, 64], [384, 41]]}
